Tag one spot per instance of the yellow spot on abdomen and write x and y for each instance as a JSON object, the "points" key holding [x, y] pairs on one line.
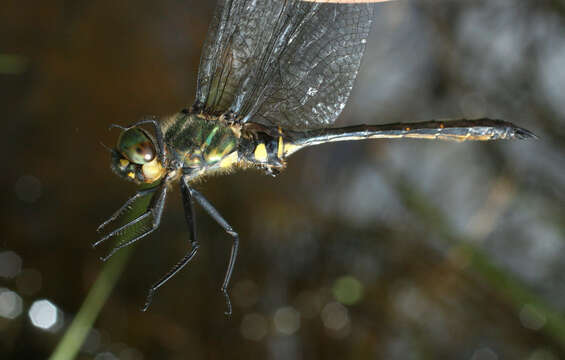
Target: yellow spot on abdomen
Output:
{"points": [[131, 175], [280, 147], [290, 148], [260, 153]]}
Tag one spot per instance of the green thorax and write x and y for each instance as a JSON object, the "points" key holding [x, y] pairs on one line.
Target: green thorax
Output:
{"points": [[197, 142]]}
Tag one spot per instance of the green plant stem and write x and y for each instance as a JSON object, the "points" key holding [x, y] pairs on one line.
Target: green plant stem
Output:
{"points": [[96, 298]]}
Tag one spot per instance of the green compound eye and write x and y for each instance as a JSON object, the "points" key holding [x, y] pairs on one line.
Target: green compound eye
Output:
{"points": [[136, 146]]}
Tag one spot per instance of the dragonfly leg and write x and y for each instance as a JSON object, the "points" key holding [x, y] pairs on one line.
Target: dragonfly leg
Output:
{"points": [[156, 211], [124, 208], [235, 242], [189, 216], [272, 171]]}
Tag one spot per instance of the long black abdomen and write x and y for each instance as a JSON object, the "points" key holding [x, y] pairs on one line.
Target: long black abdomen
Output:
{"points": [[454, 130]]}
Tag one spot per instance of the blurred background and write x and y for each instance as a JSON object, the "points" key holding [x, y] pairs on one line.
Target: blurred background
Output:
{"points": [[384, 249]]}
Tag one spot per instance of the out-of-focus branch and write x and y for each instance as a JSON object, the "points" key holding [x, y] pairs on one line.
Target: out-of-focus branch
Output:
{"points": [[478, 261]]}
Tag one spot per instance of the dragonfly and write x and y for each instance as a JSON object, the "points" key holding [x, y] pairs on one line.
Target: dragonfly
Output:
{"points": [[274, 76]]}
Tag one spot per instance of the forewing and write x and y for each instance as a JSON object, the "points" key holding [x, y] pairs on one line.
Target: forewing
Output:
{"points": [[289, 63]]}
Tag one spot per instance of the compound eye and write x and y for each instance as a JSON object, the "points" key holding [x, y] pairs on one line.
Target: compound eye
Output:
{"points": [[136, 146]]}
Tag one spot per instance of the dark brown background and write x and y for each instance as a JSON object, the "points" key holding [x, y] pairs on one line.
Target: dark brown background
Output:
{"points": [[454, 244]]}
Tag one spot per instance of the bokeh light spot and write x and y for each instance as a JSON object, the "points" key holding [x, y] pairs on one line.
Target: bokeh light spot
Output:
{"points": [[347, 290], [44, 315], [287, 320], [335, 316], [484, 353], [28, 189], [10, 304], [106, 356], [542, 354], [130, 354], [254, 327], [92, 342], [10, 264], [531, 317]]}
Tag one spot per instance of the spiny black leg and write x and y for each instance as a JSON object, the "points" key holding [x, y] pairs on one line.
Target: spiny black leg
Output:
{"points": [[188, 210], [189, 216], [156, 210], [272, 171], [123, 227], [123, 208], [235, 244]]}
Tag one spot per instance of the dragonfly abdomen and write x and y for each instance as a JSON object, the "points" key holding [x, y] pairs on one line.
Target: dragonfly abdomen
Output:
{"points": [[263, 147], [451, 130]]}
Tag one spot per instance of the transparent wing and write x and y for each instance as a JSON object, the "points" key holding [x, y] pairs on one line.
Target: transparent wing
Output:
{"points": [[290, 63]]}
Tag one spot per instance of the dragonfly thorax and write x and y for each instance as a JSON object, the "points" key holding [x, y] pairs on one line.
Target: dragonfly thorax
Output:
{"points": [[200, 145], [204, 145]]}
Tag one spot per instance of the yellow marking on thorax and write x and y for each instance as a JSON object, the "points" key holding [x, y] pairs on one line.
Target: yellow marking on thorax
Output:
{"points": [[208, 140], [229, 160], [260, 153], [280, 148], [153, 171], [215, 156]]}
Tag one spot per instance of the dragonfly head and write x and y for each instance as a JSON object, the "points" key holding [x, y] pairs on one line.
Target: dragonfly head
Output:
{"points": [[135, 157]]}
